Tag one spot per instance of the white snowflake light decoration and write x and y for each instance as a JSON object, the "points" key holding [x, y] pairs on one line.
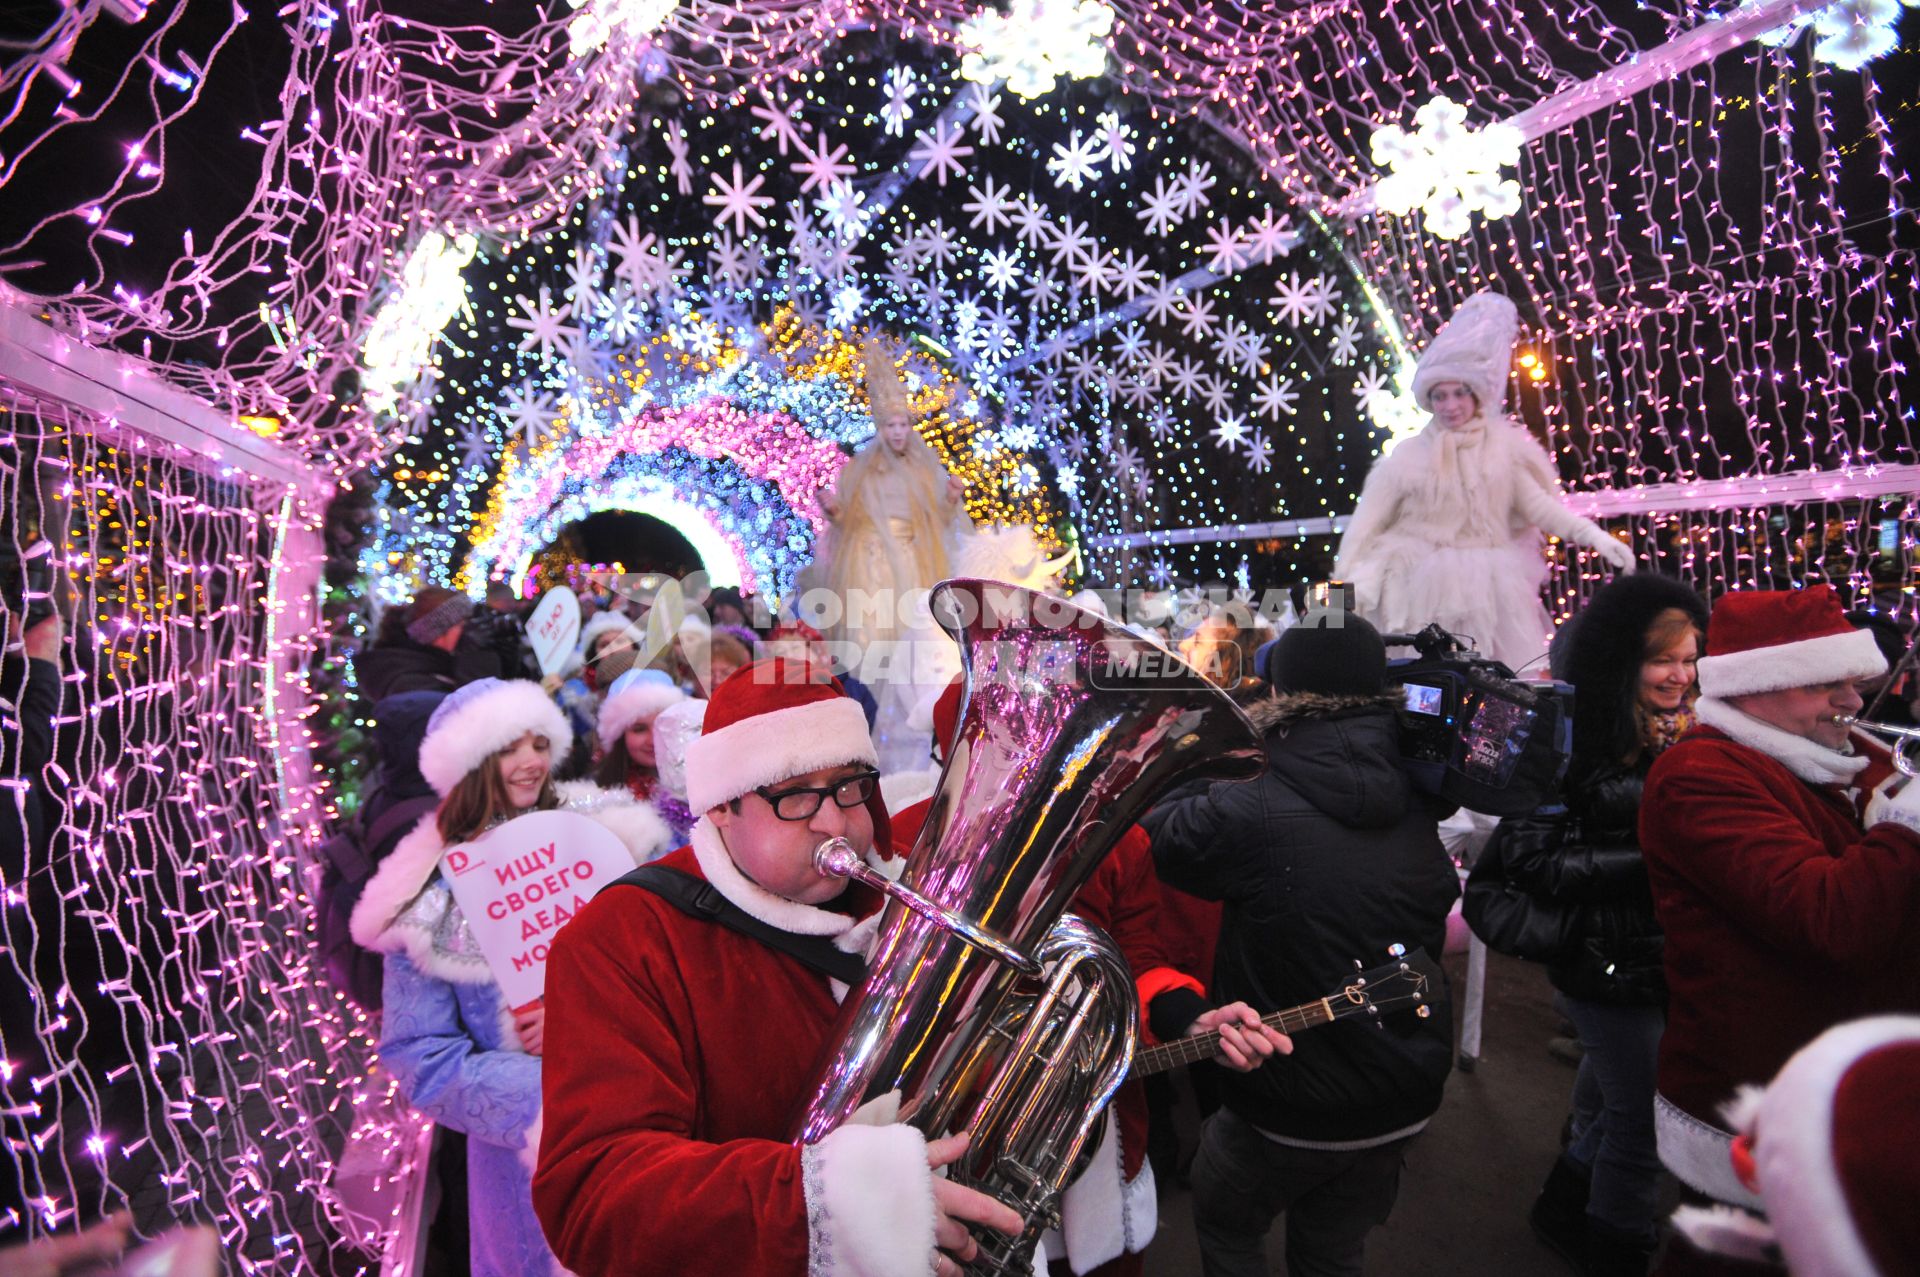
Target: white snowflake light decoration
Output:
{"points": [[1447, 170], [1849, 34], [403, 332], [1036, 42], [600, 20], [1391, 404]]}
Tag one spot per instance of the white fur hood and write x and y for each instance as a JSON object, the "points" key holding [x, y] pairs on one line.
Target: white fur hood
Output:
{"points": [[411, 866]]}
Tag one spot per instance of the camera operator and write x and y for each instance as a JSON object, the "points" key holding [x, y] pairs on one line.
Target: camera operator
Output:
{"points": [[1329, 857], [436, 643]]}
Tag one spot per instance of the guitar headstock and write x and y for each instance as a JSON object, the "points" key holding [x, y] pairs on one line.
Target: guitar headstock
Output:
{"points": [[1410, 980]]}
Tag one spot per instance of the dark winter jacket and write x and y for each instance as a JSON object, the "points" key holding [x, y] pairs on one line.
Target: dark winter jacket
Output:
{"points": [[388, 669], [1326, 859], [406, 666], [1567, 886]]}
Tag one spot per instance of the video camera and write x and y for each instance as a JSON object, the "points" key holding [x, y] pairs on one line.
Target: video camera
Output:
{"points": [[1474, 735]]}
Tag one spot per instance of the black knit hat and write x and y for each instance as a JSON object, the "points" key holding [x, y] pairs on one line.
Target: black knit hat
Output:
{"points": [[1334, 653]]}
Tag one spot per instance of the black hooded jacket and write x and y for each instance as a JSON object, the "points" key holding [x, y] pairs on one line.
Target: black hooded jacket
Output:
{"points": [[1566, 885], [1326, 859]]}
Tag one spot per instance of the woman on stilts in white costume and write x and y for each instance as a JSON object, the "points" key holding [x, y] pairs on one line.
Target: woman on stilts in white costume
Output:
{"points": [[1449, 526], [897, 515]]}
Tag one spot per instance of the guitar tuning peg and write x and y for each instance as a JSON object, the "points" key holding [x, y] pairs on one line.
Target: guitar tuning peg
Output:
{"points": [[1359, 965], [1396, 951], [1423, 1012]]}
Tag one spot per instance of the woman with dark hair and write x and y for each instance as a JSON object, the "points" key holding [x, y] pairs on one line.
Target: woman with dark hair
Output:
{"points": [[1566, 885]]}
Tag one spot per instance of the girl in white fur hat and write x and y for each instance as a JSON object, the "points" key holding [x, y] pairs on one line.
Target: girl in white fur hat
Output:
{"points": [[629, 759], [1449, 525], [462, 1057]]}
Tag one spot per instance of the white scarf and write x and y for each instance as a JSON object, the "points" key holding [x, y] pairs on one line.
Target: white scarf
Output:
{"points": [[1809, 760]]}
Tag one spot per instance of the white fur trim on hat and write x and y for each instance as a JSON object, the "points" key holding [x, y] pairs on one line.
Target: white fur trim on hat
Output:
{"points": [[473, 732], [1793, 1149], [869, 1198], [644, 700], [779, 745], [1826, 659], [1808, 759]]}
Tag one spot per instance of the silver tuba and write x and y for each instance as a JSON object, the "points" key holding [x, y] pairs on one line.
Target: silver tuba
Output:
{"points": [[988, 1007]]}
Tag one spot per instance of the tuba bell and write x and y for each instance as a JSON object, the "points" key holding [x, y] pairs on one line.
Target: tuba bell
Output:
{"points": [[988, 1007]]}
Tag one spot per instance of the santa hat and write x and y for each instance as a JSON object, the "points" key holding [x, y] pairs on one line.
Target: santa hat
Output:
{"points": [[1828, 1146], [769, 722], [635, 695], [795, 630], [482, 718], [1476, 349], [886, 394], [1766, 640], [946, 715]]}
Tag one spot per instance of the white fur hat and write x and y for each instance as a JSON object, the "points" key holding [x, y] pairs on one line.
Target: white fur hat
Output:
{"points": [[1475, 348], [482, 718], [634, 695], [600, 623]]}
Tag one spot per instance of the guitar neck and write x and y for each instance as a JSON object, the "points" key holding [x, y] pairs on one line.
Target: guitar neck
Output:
{"points": [[1172, 1055]]}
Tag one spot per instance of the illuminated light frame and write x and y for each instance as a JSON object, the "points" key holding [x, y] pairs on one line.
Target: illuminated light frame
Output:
{"points": [[723, 554]]}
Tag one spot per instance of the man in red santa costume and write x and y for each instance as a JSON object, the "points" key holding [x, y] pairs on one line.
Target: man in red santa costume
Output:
{"points": [[1784, 857], [1111, 1212], [678, 1049], [1828, 1145]]}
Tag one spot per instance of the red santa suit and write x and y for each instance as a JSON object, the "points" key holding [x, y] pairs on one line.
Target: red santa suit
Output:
{"points": [[1785, 875], [678, 1052]]}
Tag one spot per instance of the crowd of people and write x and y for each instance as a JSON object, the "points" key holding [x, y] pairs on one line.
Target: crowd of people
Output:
{"points": [[1727, 872]]}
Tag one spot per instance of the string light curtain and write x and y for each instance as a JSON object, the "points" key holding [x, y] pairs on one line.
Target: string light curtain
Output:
{"points": [[168, 1046]]}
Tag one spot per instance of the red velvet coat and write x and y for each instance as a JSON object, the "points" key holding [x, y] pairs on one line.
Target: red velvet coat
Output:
{"points": [[1782, 916], [676, 1054]]}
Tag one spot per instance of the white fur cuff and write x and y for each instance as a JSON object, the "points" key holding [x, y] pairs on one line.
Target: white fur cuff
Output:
{"points": [[869, 1203]]}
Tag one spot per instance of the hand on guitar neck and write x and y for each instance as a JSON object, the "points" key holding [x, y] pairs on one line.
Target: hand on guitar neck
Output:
{"points": [[1410, 982], [1244, 1041]]}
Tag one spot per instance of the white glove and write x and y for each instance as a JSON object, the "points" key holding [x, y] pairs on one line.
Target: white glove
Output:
{"points": [[1618, 556], [1898, 804]]}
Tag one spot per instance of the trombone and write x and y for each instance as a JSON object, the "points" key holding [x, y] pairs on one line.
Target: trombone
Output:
{"points": [[1905, 740]]}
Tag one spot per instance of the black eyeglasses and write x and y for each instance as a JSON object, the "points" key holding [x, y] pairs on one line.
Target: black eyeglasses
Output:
{"points": [[801, 804]]}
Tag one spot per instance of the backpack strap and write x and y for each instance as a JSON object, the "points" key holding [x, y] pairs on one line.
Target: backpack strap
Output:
{"points": [[399, 818], [700, 899]]}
